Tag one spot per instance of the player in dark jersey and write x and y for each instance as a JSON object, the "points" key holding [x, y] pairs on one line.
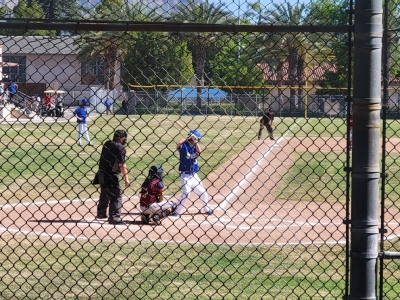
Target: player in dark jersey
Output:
{"points": [[266, 121], [152, 203]]}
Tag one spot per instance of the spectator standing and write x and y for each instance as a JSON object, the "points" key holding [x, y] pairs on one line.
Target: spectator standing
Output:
{"points": [[81, 114], [59, 106], [12, 89], [2, 93], [47, 103], [125, 106], [108, 105], [36, 103]]}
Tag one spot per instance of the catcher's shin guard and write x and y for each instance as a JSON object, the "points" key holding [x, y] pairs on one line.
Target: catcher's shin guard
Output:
{"points": [[145, 218], [163, 214]]}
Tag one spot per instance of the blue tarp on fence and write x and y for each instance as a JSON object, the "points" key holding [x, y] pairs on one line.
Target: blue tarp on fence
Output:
{"points": [[190, 92]]}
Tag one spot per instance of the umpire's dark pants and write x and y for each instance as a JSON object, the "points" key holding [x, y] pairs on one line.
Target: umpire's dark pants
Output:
{"points": [[269, 129], [109, 197]]}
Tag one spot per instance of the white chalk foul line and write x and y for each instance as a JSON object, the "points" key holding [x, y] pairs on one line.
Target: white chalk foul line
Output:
{"points": [[253, 170]]}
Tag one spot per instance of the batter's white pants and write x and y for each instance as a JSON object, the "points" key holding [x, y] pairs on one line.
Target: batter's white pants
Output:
{"points": [[83, 131], [192, 182]]}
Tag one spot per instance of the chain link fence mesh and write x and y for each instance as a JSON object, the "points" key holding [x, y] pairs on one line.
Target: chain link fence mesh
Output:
{"points": [[278, 200], [389, 192]]}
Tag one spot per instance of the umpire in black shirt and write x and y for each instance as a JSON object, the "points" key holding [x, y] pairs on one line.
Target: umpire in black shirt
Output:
{"points": [[112, 163]]}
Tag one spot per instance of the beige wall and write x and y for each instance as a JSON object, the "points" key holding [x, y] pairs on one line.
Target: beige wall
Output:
{"points": [[64, 69]]}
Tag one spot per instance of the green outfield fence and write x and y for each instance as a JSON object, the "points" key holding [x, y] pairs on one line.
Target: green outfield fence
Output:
{"points": [[282, 209]]}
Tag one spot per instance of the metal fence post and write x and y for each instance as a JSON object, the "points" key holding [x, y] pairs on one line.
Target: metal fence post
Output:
{"points": [[365, 160]]}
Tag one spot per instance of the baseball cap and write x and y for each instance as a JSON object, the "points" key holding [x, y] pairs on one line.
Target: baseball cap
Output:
{"points": [[84, 100]]}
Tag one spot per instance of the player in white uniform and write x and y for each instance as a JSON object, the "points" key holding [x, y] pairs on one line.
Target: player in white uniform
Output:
{"points": [[189, 151]]}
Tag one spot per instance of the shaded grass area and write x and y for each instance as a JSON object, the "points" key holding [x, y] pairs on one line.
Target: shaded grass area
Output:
{"points": [[36, 268]]}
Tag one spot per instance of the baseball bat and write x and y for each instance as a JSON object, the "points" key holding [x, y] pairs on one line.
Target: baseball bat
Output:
{"points": [[180, 125]]}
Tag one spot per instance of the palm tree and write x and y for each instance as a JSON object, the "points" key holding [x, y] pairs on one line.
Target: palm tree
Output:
{"points": [[292, 42], [292, 49], [203, 13], [110, 46]]}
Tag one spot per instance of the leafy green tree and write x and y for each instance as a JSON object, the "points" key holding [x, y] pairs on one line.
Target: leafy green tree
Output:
{"points": [[60, 10], [199, 42], [110, 46], [298, 50], [391, 49], [156, 59], [331, 12], [230, 65], [29, 9]]}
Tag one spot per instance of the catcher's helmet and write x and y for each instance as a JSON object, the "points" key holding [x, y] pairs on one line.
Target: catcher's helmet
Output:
{"points": [[156, 172]]}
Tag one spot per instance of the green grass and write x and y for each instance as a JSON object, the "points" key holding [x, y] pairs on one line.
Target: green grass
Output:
{"points": [[57, 269], [314, 177], [321, 177], [43, 162]]}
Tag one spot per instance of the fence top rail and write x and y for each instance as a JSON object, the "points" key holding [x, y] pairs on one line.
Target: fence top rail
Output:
{"points": [[104, 25]]}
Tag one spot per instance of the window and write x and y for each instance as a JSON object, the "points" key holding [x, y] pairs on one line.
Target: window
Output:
{"points": [[92, 72], [18, 73]]}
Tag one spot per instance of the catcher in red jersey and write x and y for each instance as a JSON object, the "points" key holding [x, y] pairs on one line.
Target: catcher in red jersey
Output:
{"points": [[266, 121], [152, 203]]}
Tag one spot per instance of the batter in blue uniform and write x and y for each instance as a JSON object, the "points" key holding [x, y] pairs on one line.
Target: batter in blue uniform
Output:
{"points": [[81, 114], [189, 150]]}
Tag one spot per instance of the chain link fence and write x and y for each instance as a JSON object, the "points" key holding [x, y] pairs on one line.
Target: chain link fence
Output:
{"points": [[269, 223]]}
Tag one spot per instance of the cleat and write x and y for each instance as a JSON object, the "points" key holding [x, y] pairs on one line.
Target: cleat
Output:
{"points": [[156, 219], [101, 217], [209, 212], [174, 214]]}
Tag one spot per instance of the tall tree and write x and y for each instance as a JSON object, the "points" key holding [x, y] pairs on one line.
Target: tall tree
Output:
{"points": [[299, 49], [60, 10], [226, 66], [156, 59], [108, 46], [331, 12], [199, 42], [29, 9]]}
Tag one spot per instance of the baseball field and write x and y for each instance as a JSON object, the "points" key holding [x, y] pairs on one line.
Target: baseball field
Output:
{"points": [[277, 227]]}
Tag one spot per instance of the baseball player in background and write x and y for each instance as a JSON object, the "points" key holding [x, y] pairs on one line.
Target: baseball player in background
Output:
{"points": [[189, 150], [81, 114], [266, 121], [152, 203]]}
